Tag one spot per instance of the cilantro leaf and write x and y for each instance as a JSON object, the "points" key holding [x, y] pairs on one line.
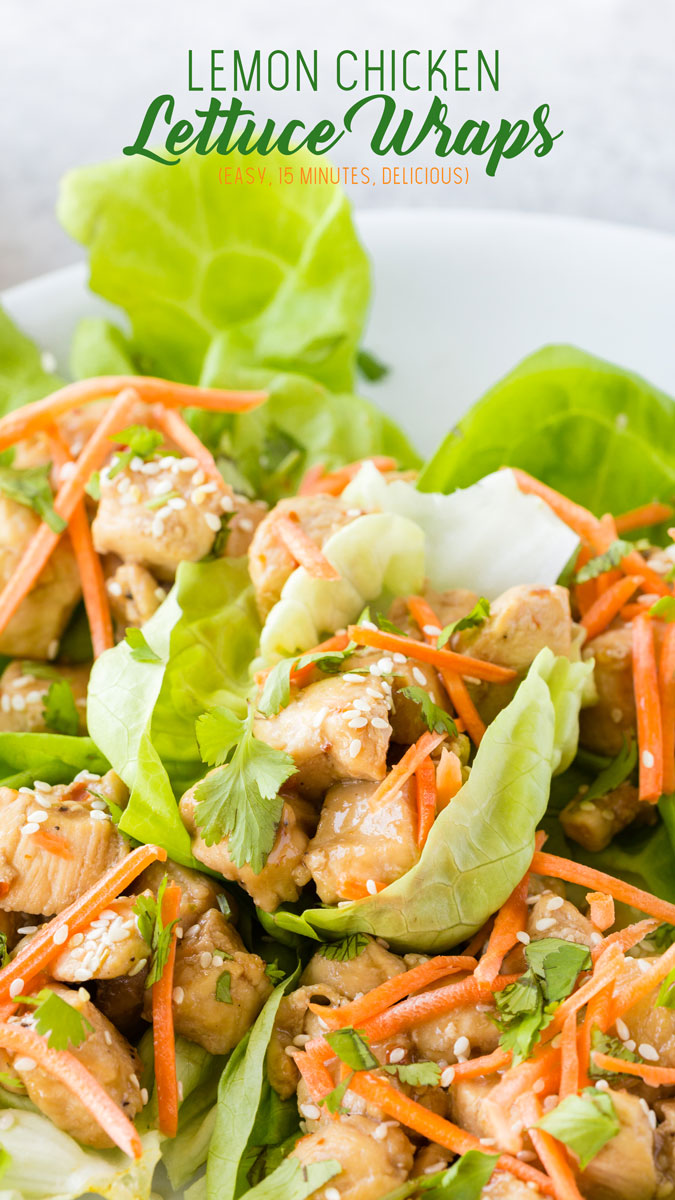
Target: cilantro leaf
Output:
{"points": [[606, 1043], [478, 615], [276, 693], [152, 929], [436, 719], [333, 1100], [370, 366], [4, 952], [59, 708], [240, 799], [11, 1081], [141, 441], [664, 608], [224, 988], [352, 1049], [274, 973], [140, 650], [557, 964], [57, 1021], [464, 1180], [417, 1074], [344, 951], [604, 562], [30, 486], [666, 996], [584, 1123], [218, 732], [525, 1007], [616, 773], [93, 485]]}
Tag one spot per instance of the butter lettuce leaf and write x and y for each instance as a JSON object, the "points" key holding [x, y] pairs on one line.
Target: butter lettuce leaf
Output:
{"points": [[23, 377], [481, 844]]}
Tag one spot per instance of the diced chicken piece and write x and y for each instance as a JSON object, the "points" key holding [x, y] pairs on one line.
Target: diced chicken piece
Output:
{"points": [[134, 594], [22, 696], [448, 606], [549, 918], [269, 562], [593, 823], [371, 1167], [198, 892], [122, 1001], [210, 949], [351, 977], [649, 1024], [522, 621], [664, 1146], [242, 525], [333, 730], [429, 1158], [294, 1019], [504, 1186], [605, 726], [36, 628], [76, 427], [468, 1108], [405, 717], [53, 849], [625, 1168], [435, 1039], [283, 875], [108, 1056], [356, 843], [111, 946], [160, 515]]}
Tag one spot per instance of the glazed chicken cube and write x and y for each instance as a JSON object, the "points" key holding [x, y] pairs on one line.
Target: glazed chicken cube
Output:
{"points": [[436, 1039], [649, 1024], [294, 1019], [198, 892], [624, 1169], [52, 848], [356, 843], [269, 562], [242, 525], [207, 1009], [553, 917], [351, 977], [522, 621], [108, 948], [36, 628], [283, 875], [23, 694], [471, 1109], [593, 823], [371, 1167], [335, 729], [504, 1186], [160, 513], [134, 594], [405, 716], [605, 726], [109, 1058]]}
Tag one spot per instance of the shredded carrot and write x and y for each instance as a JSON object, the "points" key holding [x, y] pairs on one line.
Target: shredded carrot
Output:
{"points": [[42, 948], [595, 1017], [302, 549], [608, 605], [569, 1058], [642, 984], [625, 938], [177, 430], [509, 922], [301, 675], [422, 612], [448, 778], [42, 413], [317, 1076], [435, 1128], [485, 1064], [394, 989], [335, 482], [598, 881], [52, 843], [630, 611], [73, 1075], [427, 1005], [425, 785], [406, 767], [163, 1038], [479, 938], [646, 684], [355, 889], [310, 478], [477, 668], [652, 1076], [88, 562], [667, 697], [554, 1158], [648, 514], [69, 495], [542, 1072], [585, 593], [602, 910]]}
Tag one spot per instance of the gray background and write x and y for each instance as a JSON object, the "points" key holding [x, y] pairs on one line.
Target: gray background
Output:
{"points": [[76, 76]]}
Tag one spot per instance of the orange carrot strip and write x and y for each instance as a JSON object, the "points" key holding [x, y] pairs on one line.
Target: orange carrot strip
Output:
{"points": [[648, 514], [477, 668], [41, 948], [335, 482], [608, 605], [448, 778], [52, 843], [69, 1071], [406, 766], [630, 611], [354, 889], [667, 697], [625, 938], [569, 1058], [509, 922], [301, 548], [640, 986], [479, 938], [309, 480], [646, 685], [602, 910], [574, 872], [585, 593], [177, 430], [422, 1007], [422, 612], [542, 1072], [392, 990], [425, 784], [434, 1127], [41, 413], [485, 1064], [317, 1077], [300, 676], [70, 493], [163, 1038], [595, 1017], [553, 1157], [652, 1076]]}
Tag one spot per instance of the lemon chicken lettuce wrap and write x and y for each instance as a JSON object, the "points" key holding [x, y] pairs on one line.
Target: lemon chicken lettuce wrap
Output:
{"points": [[335, 794]]}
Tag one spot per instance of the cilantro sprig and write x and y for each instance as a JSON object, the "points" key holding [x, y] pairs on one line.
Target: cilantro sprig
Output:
{"points": [[348, 948], [604, 562], [276, 693], [585, 1123], [240, 799], [141, 442], [60, 1023], [141, 651], [526, 1007], [436, 719], [478, 615], [148, 912], [30, 486], [353, 1049]]}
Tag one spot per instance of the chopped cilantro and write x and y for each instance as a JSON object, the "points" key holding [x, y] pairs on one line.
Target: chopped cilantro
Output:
{"points": [[344, 951], [59, 708], [352, 1049], [370, 366], [605, 562], [60, 1023], [224, 988], [4, 952], [664, 608], [466, 1179], [417, 1074], [141, 442], [585, 1123], [436, 719], [30, 486], [93, 485], [152, 929], [276, 693], [333, 1101], [140, 650], [274, 973], [478, 615], [160, 501], [606, 1043], [526, 1006]]}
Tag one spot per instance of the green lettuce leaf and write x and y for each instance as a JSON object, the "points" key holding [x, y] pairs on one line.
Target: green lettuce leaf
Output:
{"points": [[142, 714], [481, 844], [52, 757], [601, 435], [22, 375]]}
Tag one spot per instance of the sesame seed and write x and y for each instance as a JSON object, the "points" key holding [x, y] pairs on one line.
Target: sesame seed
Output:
{"points": [[212, 521], [157, 528], [651, 1117], [99, 804], [643, 965], [114, 588], [198, 497], [622, 1029], [30, 827], [97, 815], [357, 722], [138, 967], [488, 1141], [647, 758], [176, 503], [398, 657], [6, 703], [601, 1084], [332, 1193], [385, 666], [371, 887], [397, 1055], [523, 937], [38, 816], [186, 464], [108, 1037], [354, 748], [34, 697], [23, 1063], [461, 1046], [53, 648], [447, 1076], [319, 717], [227, 505], [162, 487], [26, 930], [646, 1050], [144, 1096], [41, 786], [60, 936], [431, 630], [133, 1078], [218, 960], [350, 677], [419, 676], [630, 1045], [595, 938], [379, 723], [379, 1133], [544, 923], [205, 959], [81, 973], [18, 702], [198, 478], [178, 995], [554, 902], [310, 1111]]}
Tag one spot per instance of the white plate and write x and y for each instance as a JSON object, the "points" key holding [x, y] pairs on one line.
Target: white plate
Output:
{"points": [[459, 298]]}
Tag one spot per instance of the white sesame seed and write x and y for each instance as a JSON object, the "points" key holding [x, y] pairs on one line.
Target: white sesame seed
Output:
{"points": [[397, 1055], [554, 902], [646, 1050], [205, 959], [398, 657], [6, 704], [651, 1117], [461, 1046], [97, 815], [319, 717], [354, 748], [310, 1111], [41, 786], [144, 1096], [108, 1037], [332, 1193], [176, 503], [26, 930], [133, 1078], [647, 758], [212, 521], [488, 1141], [227, 505], [23, 1063], [157, 528], [431, 630], [30, 827], [53, 648], [18, 702], [218, 960], [643, 965], [544, 923], [379, 723], [60, 936], [178, 995], [371, 887], [622, 1029], [40, 815], [357, 722], [419, 676], [595, 938], [199, 477], [186, 464], [630, 1045], [523, 937], [81, 973], [447, 1076], [138, 967], [386, 666], [34, 697], [162, 487]]}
